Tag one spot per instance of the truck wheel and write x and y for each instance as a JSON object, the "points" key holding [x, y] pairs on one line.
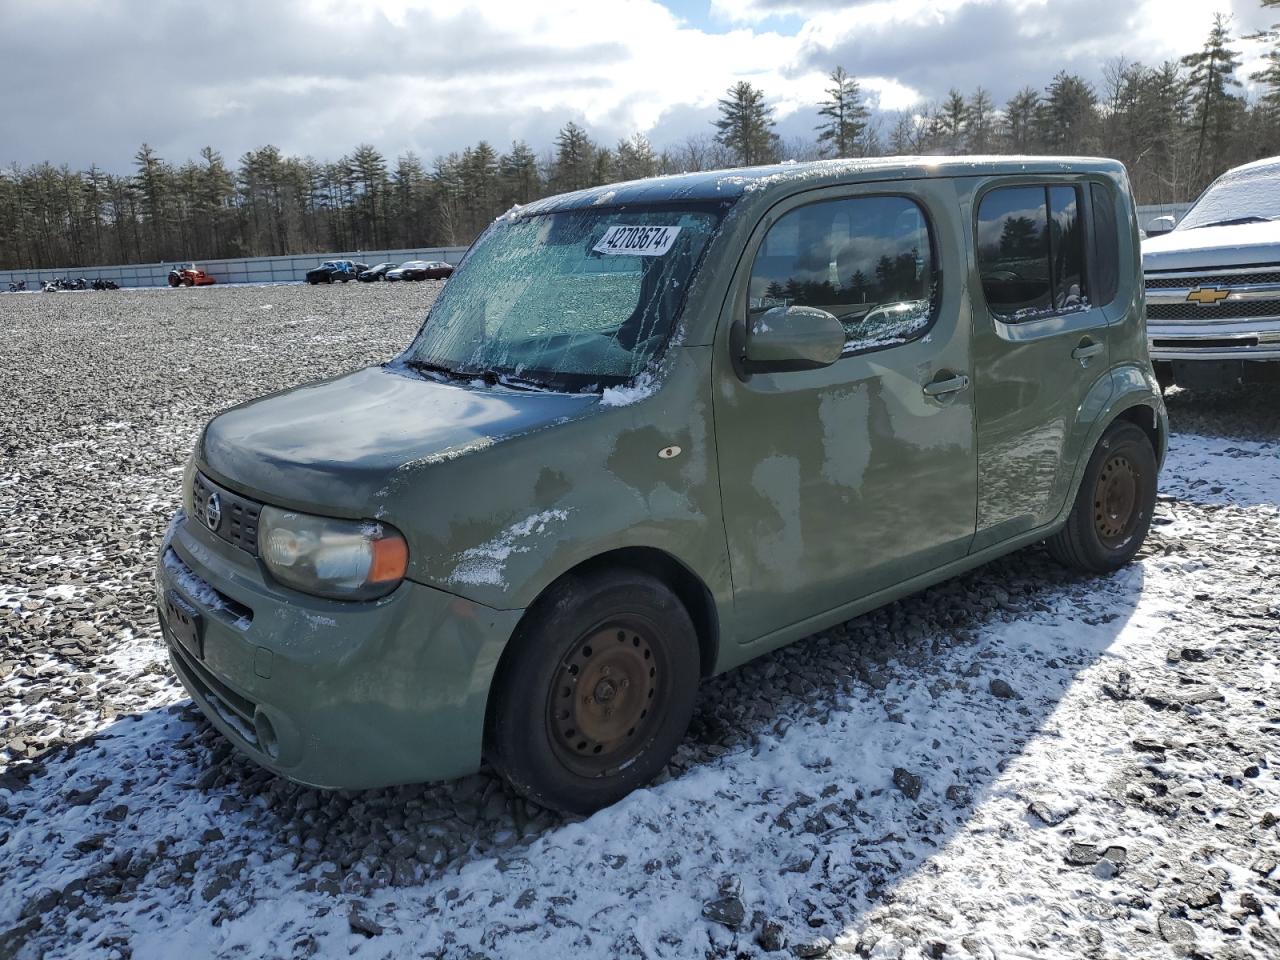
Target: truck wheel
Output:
{"points": [[595, 691], [1113, 507], [188, 282]]}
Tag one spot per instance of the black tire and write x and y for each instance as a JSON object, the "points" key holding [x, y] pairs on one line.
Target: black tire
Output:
{"points": [[629, 639], [1112, 513], [188, 282]]}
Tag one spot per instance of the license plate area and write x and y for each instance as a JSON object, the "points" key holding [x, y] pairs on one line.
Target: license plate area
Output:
{"points": [[185, 623]]}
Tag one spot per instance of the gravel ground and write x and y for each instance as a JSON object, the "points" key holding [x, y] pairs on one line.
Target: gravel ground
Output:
{"points": [[1020, 762]]}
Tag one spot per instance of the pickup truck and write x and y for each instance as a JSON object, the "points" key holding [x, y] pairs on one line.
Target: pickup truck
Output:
{"points": [[1213, 285]]}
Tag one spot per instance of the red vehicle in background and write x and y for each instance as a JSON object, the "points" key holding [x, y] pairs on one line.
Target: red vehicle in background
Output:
{"points": [[189, 276]]}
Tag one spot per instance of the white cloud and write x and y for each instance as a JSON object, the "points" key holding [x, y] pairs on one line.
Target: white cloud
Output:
{"points": [[318, 76]]}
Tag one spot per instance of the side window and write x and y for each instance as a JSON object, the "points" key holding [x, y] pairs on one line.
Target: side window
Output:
{"points": [[1031, 251], [1106, 244], [867, 260]]}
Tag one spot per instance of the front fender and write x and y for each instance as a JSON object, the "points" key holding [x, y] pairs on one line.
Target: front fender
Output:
{"points": [[509, 520]]}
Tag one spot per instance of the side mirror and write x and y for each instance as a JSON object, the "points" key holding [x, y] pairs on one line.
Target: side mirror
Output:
{"points": [[784, 339], [1160, 225]]}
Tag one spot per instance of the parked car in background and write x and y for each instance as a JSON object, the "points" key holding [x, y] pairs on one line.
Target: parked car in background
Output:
{"points": [[189, 276], [531, 535], [331, 270], [1213, 284], [421, 270], [375, 273]]}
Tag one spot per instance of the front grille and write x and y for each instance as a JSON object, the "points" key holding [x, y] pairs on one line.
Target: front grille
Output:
{"points": [[1227, 310], [1158, 282], [238, 524]]}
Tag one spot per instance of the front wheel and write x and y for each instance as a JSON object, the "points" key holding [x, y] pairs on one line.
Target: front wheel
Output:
{"points": [[595, 692], [1113, 508]]}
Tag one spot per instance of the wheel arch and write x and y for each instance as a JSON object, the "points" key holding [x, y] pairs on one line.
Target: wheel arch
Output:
{"points": [[1134, 400], [683, 582]]}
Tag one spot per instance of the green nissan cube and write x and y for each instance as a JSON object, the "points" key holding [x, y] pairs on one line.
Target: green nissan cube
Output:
{"points": [[648, 432]]}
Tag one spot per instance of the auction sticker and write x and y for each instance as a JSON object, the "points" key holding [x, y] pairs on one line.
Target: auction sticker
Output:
{"points": [[637, 241]]}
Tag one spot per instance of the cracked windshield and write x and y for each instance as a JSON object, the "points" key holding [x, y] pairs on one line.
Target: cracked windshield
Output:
{"points": [[572, 300]]}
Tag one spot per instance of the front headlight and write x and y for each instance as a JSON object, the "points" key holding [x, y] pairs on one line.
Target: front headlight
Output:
{"points": [[342, 559]]}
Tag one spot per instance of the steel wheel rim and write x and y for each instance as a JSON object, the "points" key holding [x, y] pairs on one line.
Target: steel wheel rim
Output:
{"points": [[606, 697], [1115, 501]]}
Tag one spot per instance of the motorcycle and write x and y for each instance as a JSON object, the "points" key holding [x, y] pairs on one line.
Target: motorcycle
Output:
{"points": [[17, 286], [100, 284]]}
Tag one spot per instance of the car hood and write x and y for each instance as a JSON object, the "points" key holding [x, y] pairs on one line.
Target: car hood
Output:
{"points": [[1240, 245], [333, 446]]}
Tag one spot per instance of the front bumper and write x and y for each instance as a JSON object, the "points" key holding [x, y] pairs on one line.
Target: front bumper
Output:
{"points": [[1215, 340], [332, 694]]}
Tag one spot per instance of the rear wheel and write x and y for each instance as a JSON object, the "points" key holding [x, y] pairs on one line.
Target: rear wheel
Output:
{"points": [[1112, 512], [188, 282], [596, 691]]}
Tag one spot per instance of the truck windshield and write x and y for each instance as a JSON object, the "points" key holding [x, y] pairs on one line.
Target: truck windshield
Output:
{"points": [[1244, 196], [571, 300]]}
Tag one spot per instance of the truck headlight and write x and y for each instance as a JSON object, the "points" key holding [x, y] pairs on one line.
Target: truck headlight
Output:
{"points": [[341, 559]]}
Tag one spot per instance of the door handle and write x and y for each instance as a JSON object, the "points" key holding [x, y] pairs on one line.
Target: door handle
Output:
{"points": [[940, 388], [1086, 351]]}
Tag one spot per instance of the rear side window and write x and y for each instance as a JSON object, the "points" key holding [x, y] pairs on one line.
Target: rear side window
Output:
{"points": [[1106, 245], [1031, 251], [867, 260]]}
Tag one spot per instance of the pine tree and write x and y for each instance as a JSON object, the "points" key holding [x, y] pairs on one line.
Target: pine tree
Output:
{"points": [[846, 114], [745, 126], [1214, 107], [1020, 121], [952, 115], [634, 158], [1066, 115], [979, 122], [1269, 75], [572, 167], [518, 171]]}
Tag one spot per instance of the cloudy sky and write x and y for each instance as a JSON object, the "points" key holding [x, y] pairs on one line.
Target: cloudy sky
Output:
{"points": [[87, 81]]}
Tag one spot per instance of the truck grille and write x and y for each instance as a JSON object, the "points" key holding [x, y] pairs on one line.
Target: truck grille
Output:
{"points": [[238, 524], [1227, 310], [1157, 282]]}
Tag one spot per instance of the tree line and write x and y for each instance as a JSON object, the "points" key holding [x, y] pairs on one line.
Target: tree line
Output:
{"points": [[1175, 126]]}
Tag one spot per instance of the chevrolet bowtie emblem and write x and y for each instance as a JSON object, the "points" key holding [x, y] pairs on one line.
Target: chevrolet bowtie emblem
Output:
{"points": [[1207, 296]]}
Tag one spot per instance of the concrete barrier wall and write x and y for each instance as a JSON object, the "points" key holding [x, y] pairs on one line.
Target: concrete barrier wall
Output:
{"points": [[245, 270], [294, 268]]}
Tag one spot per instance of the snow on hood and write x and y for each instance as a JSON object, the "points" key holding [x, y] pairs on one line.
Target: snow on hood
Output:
{"points": [[1242, 245]]}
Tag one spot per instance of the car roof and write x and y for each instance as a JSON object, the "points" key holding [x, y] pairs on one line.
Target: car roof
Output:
{"points": [[783, 178]]}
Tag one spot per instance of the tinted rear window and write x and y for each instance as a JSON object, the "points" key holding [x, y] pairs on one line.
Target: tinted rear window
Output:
{"points": [[1031, 251]]}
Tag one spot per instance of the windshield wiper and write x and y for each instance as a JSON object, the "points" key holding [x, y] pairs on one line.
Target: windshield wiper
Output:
{"points": [[515, 381], [1232, 221], [428, 366]]}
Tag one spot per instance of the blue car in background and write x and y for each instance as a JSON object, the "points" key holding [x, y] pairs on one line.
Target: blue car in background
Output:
{"points": [[332, 270]]}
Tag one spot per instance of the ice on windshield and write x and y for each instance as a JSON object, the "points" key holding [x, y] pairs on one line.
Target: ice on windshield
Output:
{"points": [[1236, 196], [536, 297]]}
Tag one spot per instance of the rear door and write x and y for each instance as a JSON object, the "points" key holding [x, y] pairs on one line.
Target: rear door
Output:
{"points": [[840, 482], [1040, 344]]}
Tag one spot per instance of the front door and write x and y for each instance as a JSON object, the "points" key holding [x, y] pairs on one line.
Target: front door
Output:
{"points": [[840, 482], [1040, 344]]}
